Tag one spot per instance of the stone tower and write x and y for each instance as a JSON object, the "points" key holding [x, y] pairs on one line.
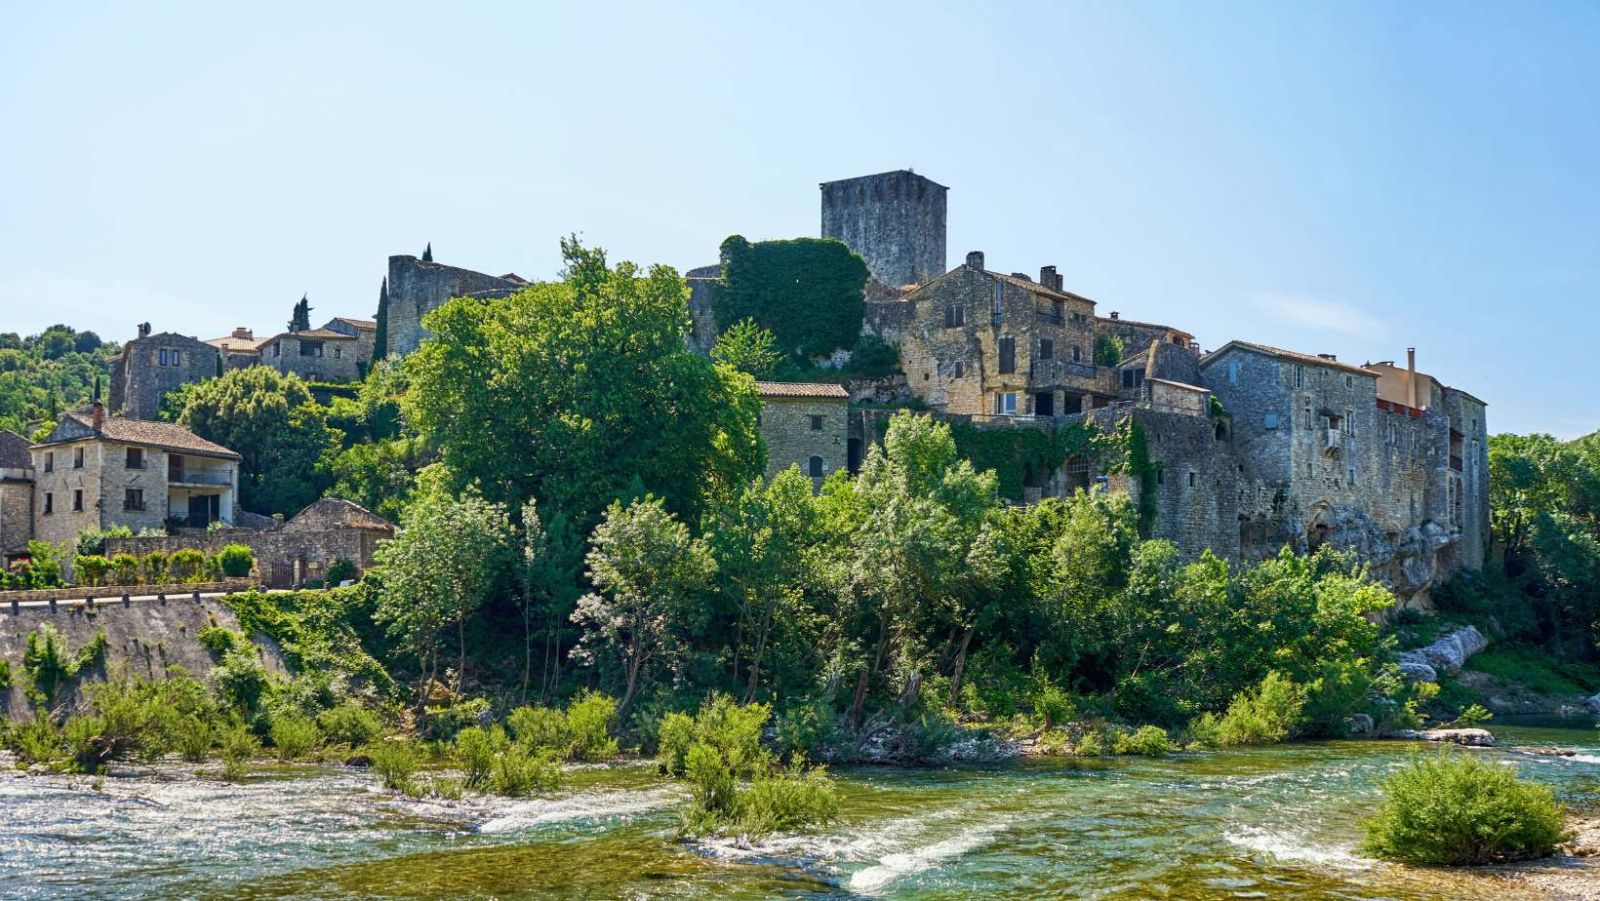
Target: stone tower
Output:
{"points": [[894, 220]]}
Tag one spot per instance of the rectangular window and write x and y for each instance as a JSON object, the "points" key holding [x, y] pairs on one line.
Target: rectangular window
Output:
{"points": [[1047, 349], [959, 369], [1005, 404], [1008, 355], [134, 458], [1057, 312], [77, 458], [133, 499], [77, 500], [816, 423], [1077, 354], [1349, 381], [815, 467], [1299, 376], [955, 316], [1307, 417], [49, 503], [1271, 421], [1233, 372], [998, 293], [1352, 474], [1349, 422], [163, 356], [338, 352], [1191, 479], [50, 461]]}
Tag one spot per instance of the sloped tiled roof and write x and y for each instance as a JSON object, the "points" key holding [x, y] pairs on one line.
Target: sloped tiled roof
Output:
{"points": [[236, 344], [1307, 359], [335, 512], [315, 334], [165, 435], [1034, 287], [366, 324], [14, 451], [1134, 322], [802, 389]]}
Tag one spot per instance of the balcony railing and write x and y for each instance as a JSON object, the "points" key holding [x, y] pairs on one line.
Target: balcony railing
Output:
{"points": [[189, 475]]}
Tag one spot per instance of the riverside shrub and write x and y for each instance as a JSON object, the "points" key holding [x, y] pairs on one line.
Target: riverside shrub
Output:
{"points": [[540, 727], [589, 726], [293, 736], [1454, 809], [1268, 715], [1146, 741], [395, 762]]}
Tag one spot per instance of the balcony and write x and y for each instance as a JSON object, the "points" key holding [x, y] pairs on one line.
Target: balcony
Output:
{"points": [[1455, 462], [199, 475], [1331, 441]]}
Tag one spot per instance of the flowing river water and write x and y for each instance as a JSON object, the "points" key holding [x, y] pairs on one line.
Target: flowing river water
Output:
{"points": [[1280, 822]]}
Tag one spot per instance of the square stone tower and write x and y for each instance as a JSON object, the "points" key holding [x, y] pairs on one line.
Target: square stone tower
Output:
{"points": [[894, 220]]}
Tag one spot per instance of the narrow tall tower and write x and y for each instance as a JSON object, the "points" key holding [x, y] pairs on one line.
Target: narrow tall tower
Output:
{"points": [[894, 220]]}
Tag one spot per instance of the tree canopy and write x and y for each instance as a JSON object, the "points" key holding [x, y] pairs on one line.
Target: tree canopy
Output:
{"points": [[808, 292], [580, 391]]}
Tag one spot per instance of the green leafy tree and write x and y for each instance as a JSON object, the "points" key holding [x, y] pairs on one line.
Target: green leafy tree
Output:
{"points": [[748, 348], [270, 419], [592, 376], [649, 575], [443, 565], [301, 320]]}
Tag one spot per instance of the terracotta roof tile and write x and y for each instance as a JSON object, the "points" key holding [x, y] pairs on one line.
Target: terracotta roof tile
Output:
{"points": [[802, 389], [368, 324], [165, 435]]}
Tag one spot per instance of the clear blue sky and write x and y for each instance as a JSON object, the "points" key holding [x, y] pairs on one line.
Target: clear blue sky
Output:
{"points": [[1349, 178]]}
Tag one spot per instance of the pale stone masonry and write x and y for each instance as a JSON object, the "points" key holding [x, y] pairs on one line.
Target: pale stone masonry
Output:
{"points": [[16, 496], [807, 425], [417, 287], [894, 220], [316, 355], [96, 471], [152, 365]]}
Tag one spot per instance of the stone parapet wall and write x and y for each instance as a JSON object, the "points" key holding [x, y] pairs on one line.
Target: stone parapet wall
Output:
{"points": [[110, 593]]}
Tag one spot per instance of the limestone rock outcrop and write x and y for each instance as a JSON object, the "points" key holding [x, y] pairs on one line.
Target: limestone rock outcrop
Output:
{"points": [[1447, 654]]}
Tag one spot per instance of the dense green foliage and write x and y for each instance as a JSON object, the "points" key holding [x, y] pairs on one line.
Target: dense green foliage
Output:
{"points": [[271, 420], [592, 376], [1023, 457], [1457, 809], [807, 292], [45, 375]]}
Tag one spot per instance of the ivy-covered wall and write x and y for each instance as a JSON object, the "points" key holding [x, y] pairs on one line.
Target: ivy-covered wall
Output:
{"points": [[807, 291], [1015, 453]]}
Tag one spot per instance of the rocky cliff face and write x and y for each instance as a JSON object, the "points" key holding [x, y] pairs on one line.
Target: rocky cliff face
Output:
{"points": [[1409, 563]]}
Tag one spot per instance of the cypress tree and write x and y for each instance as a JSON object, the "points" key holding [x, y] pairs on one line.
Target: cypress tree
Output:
{"points": [[380, 341], [427, 253], [301, 322]]}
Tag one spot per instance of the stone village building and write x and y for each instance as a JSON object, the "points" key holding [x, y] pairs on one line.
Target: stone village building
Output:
{"points": [[16, 496], [152, 365], [1253, 447], [96, 471]]}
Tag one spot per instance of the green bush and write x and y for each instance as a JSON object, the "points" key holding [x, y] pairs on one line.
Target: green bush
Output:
{"points": [[443, 722], [1052, 706], [731, 731], [293, 736], [788, 801], [155, 567], [89, 569], [476, 749], [673, 741], [395, 762], [518, 772], [1268, 715], [187, 565], [5, 677], [235, 561], [1146, 741], [36, 741], [124, 570], [589, 720], [219, 640], [340, 570], [1090, 744], [349, 724], [49, 662], [1456, 809], [240, 680], [239, 747], [194, 739], [540, 727]]}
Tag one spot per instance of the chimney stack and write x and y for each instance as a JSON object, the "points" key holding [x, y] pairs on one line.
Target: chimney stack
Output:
{"points": [[1049, 278], [99, 415], [1115, 314], [975, 260], [144, 329], [243, 333], [1411, 377]]}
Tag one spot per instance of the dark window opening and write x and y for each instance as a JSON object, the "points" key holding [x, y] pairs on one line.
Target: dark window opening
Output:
{"points": [[1072, 403], [853, 455], [49, 503], [1008, 355], [955, 316], [816, 423], [77, 458], [815, 466], [77, 500], [133, 499], [1044, 403], [958, 370], [1077, 473], [1047, 349], [134, 458]]}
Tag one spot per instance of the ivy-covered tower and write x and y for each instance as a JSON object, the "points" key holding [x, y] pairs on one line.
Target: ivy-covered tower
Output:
{"points": [[894, 220]]}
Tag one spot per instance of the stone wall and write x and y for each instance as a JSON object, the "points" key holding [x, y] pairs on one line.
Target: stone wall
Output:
{"points": [[16, 515], [956, 368], [702, 284], [1196, 482], [796, 429], [416, 287], [331, 359], [151, 366], [894, 220], [143, 639], [285, 558]]}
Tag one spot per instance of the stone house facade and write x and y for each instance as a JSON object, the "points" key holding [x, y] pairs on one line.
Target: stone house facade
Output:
{"points": [[289, 553], [152, 365], [96, 471], [980, 343], [16, 496], [317, 355], [807, 425], [240, 349], [365, 331]]}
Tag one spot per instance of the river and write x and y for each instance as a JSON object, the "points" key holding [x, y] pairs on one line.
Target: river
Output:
{"points": [[1279, 822]]}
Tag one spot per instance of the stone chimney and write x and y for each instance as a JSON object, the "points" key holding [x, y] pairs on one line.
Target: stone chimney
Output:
{"points": [[1411, 377], [144, 329], [99, 415], [975, 260], [1115, 315], [1050, 278], [1333, 357]]}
